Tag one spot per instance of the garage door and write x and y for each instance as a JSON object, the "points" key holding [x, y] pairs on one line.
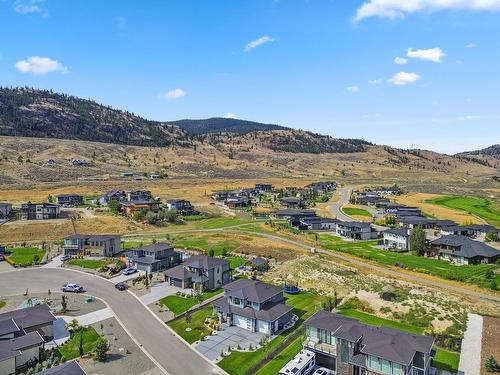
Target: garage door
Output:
{"points": [[241, 321], [262, 326]]}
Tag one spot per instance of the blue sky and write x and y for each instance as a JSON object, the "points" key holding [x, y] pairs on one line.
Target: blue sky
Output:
{"points": [[322, 65]]}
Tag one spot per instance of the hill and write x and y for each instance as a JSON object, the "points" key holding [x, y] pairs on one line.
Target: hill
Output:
{"points": [[493, 151], [27, 112]]}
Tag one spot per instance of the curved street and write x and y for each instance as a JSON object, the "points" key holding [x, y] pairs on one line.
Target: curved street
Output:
{"points": [[170, 354], [335, 207]]}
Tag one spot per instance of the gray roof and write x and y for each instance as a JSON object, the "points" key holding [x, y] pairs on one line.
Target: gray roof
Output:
{"points": [[30, 316], [387, 343], [354, 224], [8, 326], [94, 237], [13, 347], [402, 232], [156, 247], [202, 261], [259, 261], [466, 247], [68, 368], [317, 219], [253, 290], [179, 272], [291, 212]]}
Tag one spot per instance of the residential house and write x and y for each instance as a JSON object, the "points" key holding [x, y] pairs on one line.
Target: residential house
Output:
{"points": [[129, 208], [113, 195], [288, 214], [220, 195], [348, 347], [68, 368], [397, 239], [5, 209], [22, 334], [102, 245], [357, 230], [182, 206], [255, 306], [127, 174], [292, 202], [154, 177], [69, 199], [154, 258], [140, 195], [463, 250], [260, 264], [200, 272], [414, 221], [80, 163], [480, 230], [318, 223], [324, 187], [238, 202], [39, 211], [264, 188]]}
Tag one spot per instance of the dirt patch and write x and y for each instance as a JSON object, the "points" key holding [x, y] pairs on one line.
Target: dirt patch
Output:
{"points": [[491, 341]]}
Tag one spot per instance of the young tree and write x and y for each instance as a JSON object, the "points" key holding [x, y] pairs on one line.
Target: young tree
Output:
{"points": [[36, 258], [64, 303], [114, 206], [80, 343], [188, 319], [73, 326], [417, 240], [491, 236], [491, 364], [211, 253], [146, 280], [101, 347]]}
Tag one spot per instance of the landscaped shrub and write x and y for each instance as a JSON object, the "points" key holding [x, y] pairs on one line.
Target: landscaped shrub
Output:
{"points": [[354, 303]]}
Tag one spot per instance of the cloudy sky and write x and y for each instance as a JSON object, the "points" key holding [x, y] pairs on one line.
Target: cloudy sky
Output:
{"points": [[409, 73]]}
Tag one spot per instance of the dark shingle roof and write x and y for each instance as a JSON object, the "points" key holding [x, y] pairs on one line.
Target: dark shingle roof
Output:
{"points": [[253, 290], [68, 368], [12, 347], [8, 326], [386, 343], [466, 247], [156, 247], [267, 313], [402, 232], [30, 316], [179, 272], [202, 261]]}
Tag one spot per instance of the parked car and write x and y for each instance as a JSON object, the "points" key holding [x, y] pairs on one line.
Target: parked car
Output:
{"points": [[64, 258], [129, 271], [121, 286], [75, 288], [322, 371]]}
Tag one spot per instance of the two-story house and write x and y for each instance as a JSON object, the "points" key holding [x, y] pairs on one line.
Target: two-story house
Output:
{"points": [[182, 206], [348, 347], [254, 305], [292, 202], [39, 211], [113, 195], [463, 250], [69, 199], [200, 272], [22, 335], [102, 245], [357, 230], [318, 223], [397, 239], [141, 195], [154, 258], [262, 188], [129, 208]]}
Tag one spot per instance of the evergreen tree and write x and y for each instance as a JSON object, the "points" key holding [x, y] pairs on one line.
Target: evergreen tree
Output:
{"points": [[417, 240]]}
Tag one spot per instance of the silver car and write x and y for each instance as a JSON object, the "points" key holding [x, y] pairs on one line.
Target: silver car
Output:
{"points": [[75, 288]]}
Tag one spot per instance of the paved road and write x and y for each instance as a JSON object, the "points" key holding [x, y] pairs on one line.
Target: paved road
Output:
{"points": [[334, 208], [166, 349]]}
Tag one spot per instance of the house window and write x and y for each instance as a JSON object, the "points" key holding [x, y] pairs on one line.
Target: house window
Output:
{"points": [[386, 367], [396, 369], [374, 363]]}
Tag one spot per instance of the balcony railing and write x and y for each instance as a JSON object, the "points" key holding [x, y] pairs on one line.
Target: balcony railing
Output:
{"points": [[320, 346]]}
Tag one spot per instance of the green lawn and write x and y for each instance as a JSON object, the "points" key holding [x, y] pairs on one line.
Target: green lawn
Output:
{"points": [[444, 359], [478, 206], [304, 305], [2, 304], [198, 329], [277, 363], [70, 349], [24, 256], [474, 274], [352, 211], [220, 222], [132, 245], [88, 263], [180, 304], [204, 244], [235, 262]]}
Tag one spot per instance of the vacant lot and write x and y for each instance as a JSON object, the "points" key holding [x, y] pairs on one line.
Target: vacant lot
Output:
{"points": [[491, 341], [480, 274], [472, 205], [25, 256]]}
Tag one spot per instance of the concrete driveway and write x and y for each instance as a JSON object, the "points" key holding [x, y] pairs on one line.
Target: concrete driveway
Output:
{"points": [[54, 263], [121, 278], [5, 267], [159, 291], [212, 346], [168, 352]]}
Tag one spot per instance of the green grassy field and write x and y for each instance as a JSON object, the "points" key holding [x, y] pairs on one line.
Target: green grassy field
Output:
{"points": [[304, 305], [203, 244], [180, 304], [220, 222], [277, 363], [352, 211], [477, 206], [474, 274], [24, 256], [70, 349], [198, 329], [446, 360], [88, 263]]}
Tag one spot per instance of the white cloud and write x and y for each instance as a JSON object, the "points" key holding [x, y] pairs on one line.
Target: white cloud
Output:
{"points": [[400, 60], [30, 7], [37, 65], [399, 9], [377, 81], [352, 89], [471, 45], [258, 42], [174, 94], [230, 115], [432, 54], [404, 78]]}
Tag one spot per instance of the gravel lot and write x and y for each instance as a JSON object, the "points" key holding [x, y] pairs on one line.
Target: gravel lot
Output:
{"points": [[125, 357]]}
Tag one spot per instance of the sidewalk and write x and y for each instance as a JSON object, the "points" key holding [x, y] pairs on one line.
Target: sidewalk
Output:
{"points": [[470, 355]]}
